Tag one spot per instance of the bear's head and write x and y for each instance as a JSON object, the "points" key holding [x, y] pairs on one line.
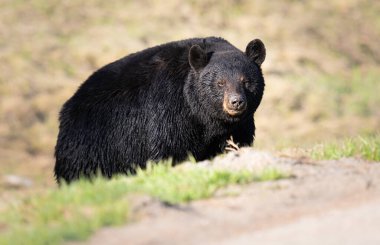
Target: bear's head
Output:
{"points": [[228, 83]]}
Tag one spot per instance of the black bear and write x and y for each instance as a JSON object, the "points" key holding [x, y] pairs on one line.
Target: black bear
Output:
{"points": [[169, 101]]}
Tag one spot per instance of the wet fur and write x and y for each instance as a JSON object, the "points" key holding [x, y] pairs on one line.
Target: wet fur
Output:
{"points": [[153, 105]]}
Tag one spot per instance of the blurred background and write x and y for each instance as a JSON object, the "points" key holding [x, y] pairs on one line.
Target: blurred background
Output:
{"points": [[322, 66]]}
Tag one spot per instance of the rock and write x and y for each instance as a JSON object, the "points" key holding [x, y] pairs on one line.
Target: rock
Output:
{"points": [[16, 182]]}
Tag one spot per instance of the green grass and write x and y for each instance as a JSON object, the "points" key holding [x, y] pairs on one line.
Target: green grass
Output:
{"points": [[367, 147], [74, 212]]}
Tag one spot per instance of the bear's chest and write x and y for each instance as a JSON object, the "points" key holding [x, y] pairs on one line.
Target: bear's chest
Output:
{"points": [[178, 137]]}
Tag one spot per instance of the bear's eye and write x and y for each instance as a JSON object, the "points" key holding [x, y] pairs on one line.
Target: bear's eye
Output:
{"points": [[244, 80], [221, 83]]}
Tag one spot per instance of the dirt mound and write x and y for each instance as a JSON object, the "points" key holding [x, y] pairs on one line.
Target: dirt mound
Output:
{"points": [[318, 194]]}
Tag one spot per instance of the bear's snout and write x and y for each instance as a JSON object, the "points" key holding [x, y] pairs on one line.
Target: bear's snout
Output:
{"points": [[235, 104]]}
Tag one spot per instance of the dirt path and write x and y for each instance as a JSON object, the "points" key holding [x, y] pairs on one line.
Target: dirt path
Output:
{"points": [[352, 226], [330, 202]]}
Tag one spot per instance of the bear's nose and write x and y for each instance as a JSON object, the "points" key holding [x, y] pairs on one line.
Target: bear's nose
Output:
{"points": [[237, 102]]}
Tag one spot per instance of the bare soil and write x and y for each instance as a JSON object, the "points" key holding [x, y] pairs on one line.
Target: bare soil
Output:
{"points": [[325, 202]]}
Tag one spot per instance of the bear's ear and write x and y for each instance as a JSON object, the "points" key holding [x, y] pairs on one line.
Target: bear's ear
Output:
{"points": [[256, 51], [197, 57]]}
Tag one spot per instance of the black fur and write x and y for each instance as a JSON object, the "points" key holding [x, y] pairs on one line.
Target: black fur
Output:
{"points": [[162, 102]]}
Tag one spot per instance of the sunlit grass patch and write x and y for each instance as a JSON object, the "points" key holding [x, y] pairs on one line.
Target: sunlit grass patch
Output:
{"points": [[183, 185], [73, 212], [367, 147]]}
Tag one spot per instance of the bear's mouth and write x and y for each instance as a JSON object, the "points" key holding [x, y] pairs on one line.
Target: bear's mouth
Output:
{"points": [[234, 113]]}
